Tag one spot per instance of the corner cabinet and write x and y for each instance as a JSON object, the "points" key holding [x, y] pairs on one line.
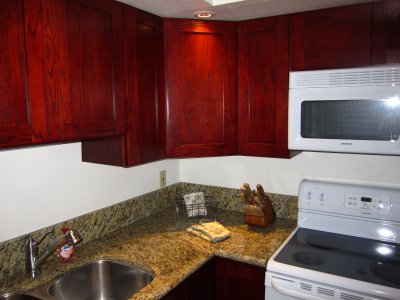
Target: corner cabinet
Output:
{"points": [[22, 105], [143, 76], [263, 87], [331, 38], [201, 94]]}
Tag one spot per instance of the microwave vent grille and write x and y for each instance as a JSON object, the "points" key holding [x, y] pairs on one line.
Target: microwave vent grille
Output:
{"points": [[385, 76]]}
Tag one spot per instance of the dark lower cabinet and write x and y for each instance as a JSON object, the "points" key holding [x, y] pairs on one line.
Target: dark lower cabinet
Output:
{"points": [[199, 286], [239, 281], [221, 279]]}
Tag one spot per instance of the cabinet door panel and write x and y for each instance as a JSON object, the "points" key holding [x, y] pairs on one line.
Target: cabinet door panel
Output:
{"points": [[147, 98], [201, 88], [83, 66], [21, 121], [201, 284], [236, 280], [263, 87], [198, 286], [386, 32], [144, 94], [331, 38]]}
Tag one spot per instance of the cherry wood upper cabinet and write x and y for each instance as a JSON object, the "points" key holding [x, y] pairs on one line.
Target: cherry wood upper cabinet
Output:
{"points": [[386, 32], [22, 106], [263, 87], [331, 38], [201, 94], [83, 67], [143, 75], [146, 123]]}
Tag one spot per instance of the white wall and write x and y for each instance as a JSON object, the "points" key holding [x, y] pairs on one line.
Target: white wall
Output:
{"points": [[283, 176], [42, 186], [45, 185]]}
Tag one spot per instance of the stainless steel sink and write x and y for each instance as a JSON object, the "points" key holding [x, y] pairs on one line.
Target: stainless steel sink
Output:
{"points": [[102, 280], [17, 297]]}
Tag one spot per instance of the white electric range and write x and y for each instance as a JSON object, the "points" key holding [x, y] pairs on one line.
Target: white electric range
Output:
{"points": [[346, 245]]}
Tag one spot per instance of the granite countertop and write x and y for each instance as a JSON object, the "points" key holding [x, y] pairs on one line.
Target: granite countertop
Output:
{"points": [[160, 243]]}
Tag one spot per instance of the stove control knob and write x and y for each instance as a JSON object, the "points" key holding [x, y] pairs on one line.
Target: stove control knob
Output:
{"points": [[322, 197]]}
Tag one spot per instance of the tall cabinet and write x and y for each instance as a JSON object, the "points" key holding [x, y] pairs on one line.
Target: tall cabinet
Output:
{"points": [[263, 87], [201, 94]]}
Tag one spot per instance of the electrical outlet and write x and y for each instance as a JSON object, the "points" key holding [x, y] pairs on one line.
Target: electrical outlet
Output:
{"points": [[163, 178]]}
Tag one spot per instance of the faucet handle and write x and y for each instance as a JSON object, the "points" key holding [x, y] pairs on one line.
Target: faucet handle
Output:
{"points": [[42, 239], [73, 237]]}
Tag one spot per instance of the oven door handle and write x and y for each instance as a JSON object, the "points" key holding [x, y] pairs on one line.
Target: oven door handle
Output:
{"points": [[283, 290]]}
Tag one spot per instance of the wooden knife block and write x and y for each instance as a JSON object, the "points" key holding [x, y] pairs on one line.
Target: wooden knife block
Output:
{"points": [[257, 220], [256, 216]]}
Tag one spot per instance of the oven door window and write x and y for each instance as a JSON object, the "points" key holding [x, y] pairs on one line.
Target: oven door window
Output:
{"points": [[351, 119]]}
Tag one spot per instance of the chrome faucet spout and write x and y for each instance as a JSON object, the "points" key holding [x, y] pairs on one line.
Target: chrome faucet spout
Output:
{"points": [[34, 259]]}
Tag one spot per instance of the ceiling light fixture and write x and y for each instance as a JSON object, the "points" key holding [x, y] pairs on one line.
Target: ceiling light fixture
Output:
{"points": [[204, 14]]}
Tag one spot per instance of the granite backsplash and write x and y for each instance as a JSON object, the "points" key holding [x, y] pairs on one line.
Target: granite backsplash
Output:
{"points": [[104, 221]]}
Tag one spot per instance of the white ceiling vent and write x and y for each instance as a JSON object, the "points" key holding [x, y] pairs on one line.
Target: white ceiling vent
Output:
{"points": [[221, 2]]}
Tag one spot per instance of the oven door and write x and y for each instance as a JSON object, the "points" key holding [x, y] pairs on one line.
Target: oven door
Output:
{"points": [[345, 119]]}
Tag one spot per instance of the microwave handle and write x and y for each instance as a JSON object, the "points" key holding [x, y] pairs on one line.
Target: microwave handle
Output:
{"points": [[283, 290]]}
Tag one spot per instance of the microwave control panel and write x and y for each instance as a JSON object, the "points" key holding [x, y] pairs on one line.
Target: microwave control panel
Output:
{"points": [[367, 204]]}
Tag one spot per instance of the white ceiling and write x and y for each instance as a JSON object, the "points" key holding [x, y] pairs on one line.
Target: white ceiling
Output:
{"points": [[243, 10]]}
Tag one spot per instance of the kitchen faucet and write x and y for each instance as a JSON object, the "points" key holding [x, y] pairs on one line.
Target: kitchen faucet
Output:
{"points": [[34, 259]]}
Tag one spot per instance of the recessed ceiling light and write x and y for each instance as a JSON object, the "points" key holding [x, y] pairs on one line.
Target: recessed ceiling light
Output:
{"points": [[204, 14]]}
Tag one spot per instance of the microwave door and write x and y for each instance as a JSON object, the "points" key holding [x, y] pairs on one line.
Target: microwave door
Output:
{"points": [[345, 120], [371, 120]]}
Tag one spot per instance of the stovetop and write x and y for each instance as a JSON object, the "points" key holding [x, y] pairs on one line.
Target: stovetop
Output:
{"points": [[344, 255]]}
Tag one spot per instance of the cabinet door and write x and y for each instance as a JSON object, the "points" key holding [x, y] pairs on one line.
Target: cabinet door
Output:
{"points": [[198, 286], [143, 75], [201, 94], [386, 32], [201, 285], [146, 88], [22, 106], [331, 38], [82, 55], [263, 87], [240, 281]]}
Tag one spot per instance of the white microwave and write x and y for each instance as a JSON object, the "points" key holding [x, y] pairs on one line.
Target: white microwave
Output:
{"points": [[345, 110]]}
